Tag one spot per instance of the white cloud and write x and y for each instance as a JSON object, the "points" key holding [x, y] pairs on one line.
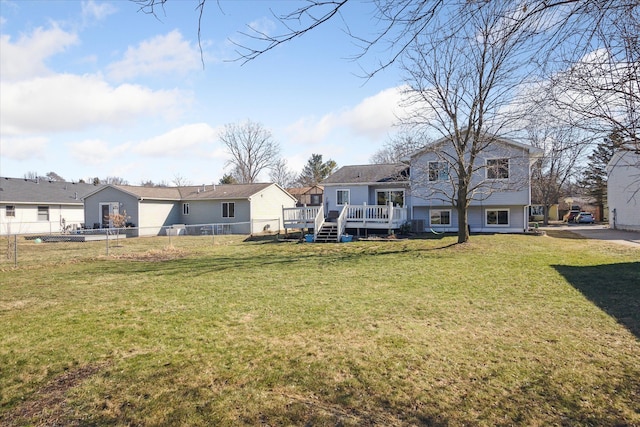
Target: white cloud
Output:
{"points": [[92, 10], [179, 141], [23, 148], [373, 118], [68, 102], [25, 58], [165, 54], [96, 151]]}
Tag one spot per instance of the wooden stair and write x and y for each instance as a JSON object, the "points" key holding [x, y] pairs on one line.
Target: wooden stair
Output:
{"points": [[328, 233]]}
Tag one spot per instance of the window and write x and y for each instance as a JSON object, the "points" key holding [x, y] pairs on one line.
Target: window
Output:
{"points": [[10, 211], [185, 209], [438, 171], [497, 217], [228, 210], [383, 197], [440, 217], [43, 213], [315, 199], [498, 169], [342, 197]]}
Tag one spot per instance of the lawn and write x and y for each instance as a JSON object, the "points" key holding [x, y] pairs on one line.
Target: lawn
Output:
{"points": [[506, 330]]}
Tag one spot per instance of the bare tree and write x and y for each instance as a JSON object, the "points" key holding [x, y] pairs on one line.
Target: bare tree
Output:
{"points": [[282, 175], [114, 180], [180, 181], [398, 147], [460, 79], [562, 150], [252, 150]]}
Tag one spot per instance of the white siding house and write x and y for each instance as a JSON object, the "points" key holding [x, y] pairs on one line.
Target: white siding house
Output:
{"points": [[623, 190], [41, 206]]}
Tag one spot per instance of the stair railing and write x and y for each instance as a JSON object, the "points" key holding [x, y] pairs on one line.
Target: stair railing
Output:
{"points": [[318, 222], [342, 221]]}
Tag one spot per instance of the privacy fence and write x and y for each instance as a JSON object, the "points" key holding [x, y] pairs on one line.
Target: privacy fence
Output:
{"points": [[37, 248]]}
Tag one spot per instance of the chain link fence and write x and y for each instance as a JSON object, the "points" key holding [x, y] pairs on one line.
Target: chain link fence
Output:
{"points": [[46, 248]]}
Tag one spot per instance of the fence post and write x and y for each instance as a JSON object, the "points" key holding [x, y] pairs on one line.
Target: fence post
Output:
{"points": [[107, 240], [15, 250]]}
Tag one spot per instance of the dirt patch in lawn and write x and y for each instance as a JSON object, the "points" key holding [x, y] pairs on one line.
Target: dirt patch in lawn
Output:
{"points": [[167, 253], [48, 405]]}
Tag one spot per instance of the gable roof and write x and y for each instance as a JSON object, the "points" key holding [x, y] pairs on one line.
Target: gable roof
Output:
{"points": [[200, 192], [533, 151], [21, 190], [298, 191], [369, 174]]}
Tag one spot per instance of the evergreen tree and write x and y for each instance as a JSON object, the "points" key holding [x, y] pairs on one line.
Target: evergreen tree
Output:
{"points": [[228, 178], [316, 170], [594, 177]]}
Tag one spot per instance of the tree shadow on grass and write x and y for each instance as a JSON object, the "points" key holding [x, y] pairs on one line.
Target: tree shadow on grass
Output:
{"points": [[615, 288]]}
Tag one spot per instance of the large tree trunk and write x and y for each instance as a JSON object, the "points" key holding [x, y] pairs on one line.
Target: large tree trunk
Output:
{"points": [[463, 222]]}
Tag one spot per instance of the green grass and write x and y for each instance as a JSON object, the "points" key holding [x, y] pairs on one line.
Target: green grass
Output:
{"points": [[505, 330]]}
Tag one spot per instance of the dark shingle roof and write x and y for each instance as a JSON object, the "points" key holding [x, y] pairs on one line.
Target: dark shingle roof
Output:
{"points": [[368, 174], [20, 190]]}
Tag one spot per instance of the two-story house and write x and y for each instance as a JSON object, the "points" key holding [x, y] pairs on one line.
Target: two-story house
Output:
{"points": [[499, 190]]}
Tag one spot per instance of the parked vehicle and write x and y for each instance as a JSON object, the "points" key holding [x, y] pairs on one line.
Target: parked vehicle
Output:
{"points": [[571, 216], [584, 218]]}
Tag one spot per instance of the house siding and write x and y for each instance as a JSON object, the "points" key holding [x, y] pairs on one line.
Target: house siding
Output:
{"points": [[127, 202], [267, 205], [156, 214], [26, 218], [623, 195]]}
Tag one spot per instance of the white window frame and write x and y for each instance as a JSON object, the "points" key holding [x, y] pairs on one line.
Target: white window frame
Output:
{"points": [[229, 205], [10, 211], [388, 196], [490, 168], [443, 171], [41, 211], [185, 209], [497, 211], [440, 211], [338, 198]]}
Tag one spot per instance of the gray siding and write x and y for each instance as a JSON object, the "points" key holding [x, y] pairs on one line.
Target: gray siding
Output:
{"points": [[127, 202]]}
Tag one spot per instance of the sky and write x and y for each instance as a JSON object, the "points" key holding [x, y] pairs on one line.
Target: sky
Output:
{"points": [[102, 89]]}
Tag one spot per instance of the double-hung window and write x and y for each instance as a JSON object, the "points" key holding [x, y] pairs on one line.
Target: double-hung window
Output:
{"points": [[438, 171], [43, 213], [10, 211], [342, 197], [228, 210], [185, 209], [497, 168]]}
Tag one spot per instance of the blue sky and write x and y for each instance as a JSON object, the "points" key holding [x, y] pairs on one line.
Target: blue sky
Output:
{"points": [[97, 88]]}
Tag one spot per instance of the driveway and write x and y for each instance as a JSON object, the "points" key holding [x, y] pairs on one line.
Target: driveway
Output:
{"points": [[600, 232]]}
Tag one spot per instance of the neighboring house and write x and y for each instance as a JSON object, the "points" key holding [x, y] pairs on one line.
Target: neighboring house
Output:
{"points": [[41, 206], [623, 190], [501, 185], [307, 196], [251, 208]]}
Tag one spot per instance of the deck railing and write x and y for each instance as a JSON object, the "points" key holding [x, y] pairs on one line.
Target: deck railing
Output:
{"points": [[301, 216], [353, 216], [342, 221], [317, 222]]}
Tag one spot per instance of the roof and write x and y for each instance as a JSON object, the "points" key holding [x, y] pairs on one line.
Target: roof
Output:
{"points": [[297, 191], [533, 151], [21, 190], [369, 174], [200, 192]]}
